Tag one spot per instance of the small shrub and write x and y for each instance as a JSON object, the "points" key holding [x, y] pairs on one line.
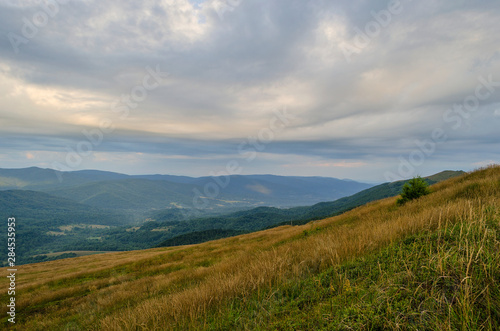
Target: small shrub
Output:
{"points": [[413, 189]]}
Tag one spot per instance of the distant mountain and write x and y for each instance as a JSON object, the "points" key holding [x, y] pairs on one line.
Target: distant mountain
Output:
{"points": [[288, 191], [168, 178], [150, 192], [127, 194]]}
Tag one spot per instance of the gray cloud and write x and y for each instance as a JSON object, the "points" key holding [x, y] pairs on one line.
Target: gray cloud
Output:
{"points": [[228, 75]]}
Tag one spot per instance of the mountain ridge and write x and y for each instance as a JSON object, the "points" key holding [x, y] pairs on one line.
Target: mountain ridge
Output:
{"points": [[120, 191]]}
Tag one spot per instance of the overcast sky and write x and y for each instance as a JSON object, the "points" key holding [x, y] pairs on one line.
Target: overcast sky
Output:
{"points": [[348, 88]]}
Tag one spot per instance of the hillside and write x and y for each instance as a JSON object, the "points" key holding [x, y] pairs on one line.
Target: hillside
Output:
{"points": [[431, 264], [44, 209], [42, 216]]}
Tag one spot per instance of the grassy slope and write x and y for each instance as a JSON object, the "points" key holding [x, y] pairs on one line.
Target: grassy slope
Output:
{"points": [[433, 263], [437, 280]]}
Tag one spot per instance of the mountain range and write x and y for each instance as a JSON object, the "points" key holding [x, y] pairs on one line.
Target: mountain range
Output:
{"points": [[155, 192]]}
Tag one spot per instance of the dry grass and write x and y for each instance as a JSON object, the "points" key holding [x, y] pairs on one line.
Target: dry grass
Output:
{"points": [[160, 288]]}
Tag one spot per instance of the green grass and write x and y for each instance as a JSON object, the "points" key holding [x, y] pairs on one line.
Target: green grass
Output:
{"points": [[442, 280]]}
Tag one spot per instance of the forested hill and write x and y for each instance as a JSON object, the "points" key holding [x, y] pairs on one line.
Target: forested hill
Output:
{"points": [[37, 208]]}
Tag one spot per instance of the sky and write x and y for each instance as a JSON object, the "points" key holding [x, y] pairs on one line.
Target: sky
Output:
{"points": [[366, 90]]}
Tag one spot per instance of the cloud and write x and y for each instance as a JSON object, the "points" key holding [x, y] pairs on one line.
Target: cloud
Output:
{"points": [[229, 73], [485, 163]]}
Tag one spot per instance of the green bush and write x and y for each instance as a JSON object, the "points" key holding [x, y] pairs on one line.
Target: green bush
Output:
{"points": [[413, 189]]}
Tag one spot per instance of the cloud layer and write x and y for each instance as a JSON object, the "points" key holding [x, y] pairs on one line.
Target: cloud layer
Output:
{"points": [[367, 83]]}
